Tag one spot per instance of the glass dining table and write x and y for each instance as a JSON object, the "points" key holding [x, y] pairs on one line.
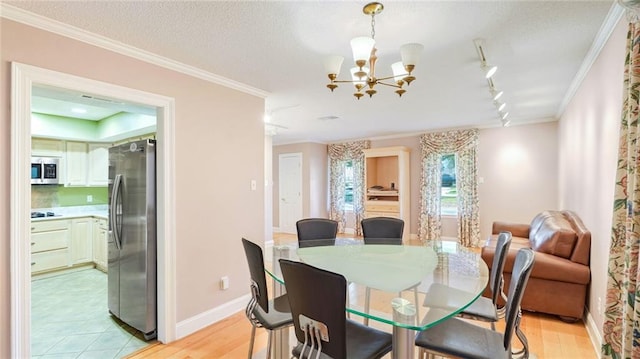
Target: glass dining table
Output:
{"points": [[410, 288]]}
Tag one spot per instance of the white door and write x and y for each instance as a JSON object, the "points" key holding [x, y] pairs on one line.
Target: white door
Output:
{"points": [[290, 190]]}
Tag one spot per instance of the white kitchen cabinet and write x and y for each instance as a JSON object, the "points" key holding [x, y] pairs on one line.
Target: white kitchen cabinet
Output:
{"points": [[81, 240], [47, 147], [76, 164], [98, 164], [50, 245], [100, 237]]}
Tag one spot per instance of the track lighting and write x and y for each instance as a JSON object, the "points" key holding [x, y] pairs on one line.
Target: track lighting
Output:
{"points": [[489, 71]]}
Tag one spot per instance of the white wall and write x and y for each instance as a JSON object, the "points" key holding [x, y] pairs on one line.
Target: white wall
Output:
{"points": [[519, 167], [588, 137]]}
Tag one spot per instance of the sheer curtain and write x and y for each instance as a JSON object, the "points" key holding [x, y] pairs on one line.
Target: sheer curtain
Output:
{"points": [[464, 144], [621, 326], [339, 155]]}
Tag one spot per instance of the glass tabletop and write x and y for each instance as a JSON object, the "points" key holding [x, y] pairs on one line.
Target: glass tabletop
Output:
{"points": [[413, 287]]}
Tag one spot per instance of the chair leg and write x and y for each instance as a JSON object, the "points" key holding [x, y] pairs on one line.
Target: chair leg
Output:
{"points": [[415, 294], [367, 296], [253, 337], [269, 340], [524, 352]]}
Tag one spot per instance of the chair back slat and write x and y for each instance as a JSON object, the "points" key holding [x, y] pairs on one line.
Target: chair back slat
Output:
{"points": [[318, 295], [256, 270], [522, 267], [316, 231], [497, 267], [382, 230]]}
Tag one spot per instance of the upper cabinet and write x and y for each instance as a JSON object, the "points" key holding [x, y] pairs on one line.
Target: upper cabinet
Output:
{"points": [[82, 164], [76, 164], [98, 171], [387, 184], [87, 164], [47, 148]]}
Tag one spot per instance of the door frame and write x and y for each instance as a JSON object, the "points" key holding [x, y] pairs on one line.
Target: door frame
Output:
{"points": [[23, 78], [298, 155]]}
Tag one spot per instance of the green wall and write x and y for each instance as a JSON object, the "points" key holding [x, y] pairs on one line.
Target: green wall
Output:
{"points": [[77, 196]]}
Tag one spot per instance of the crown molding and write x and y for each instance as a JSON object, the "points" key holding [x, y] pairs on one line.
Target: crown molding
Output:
{"points": [[28, 18], [611, 20]]}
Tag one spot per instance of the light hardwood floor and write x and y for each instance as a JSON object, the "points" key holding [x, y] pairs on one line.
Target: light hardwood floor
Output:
{"points": [[549, 337]]}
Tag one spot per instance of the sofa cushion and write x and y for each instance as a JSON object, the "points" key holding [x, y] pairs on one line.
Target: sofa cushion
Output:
{"points": [[554, 236]]}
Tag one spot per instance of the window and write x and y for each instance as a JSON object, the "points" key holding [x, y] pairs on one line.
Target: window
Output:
{"points": [[448, 191], [348, 185]]}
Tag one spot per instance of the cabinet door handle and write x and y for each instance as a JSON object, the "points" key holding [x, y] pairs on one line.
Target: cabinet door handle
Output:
{"points": [[33, 243], [33, 263], [32, 228]]}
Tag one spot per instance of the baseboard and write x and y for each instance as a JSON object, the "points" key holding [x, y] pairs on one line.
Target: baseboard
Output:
{"points": [[212, 316], [594, 333], [349, 231], [276, 229]]}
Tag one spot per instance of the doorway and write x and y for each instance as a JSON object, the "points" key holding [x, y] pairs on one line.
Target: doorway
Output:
{"points": [[290, 190], [24, 78]]}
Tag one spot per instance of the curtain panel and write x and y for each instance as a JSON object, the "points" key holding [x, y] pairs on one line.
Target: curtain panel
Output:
{"points": [[464, 144], [339, 155], [621, 325]]}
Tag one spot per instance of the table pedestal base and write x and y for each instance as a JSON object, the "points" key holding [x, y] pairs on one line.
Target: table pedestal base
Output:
{"points": [[403, 338]]}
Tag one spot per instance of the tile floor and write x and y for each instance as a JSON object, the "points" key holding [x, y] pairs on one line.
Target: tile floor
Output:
{"points": [[70, 319]]}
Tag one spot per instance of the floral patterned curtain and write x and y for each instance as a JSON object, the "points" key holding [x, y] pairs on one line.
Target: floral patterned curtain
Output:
{"points": [[463, 144], [339, 155], [621, 326]]}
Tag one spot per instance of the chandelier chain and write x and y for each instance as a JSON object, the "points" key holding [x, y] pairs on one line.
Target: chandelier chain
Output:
{"points": [[373, 26]]}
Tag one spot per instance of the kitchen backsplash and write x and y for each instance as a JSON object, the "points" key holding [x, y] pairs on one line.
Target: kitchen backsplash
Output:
{"points": [[50, 196]]}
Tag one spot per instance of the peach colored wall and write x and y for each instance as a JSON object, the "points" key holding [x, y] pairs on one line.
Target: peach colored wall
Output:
{"points": [[588, 134], [519, 167], [214, 204], [314, 179]]}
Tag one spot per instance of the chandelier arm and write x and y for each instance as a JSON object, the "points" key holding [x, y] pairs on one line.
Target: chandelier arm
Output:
{"points": [[390, 77], [386, 84], [347, 81]]}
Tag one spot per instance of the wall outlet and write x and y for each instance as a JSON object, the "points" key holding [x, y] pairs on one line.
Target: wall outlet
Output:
{"points": [[254, 185], [89, 198], [224, 283]]}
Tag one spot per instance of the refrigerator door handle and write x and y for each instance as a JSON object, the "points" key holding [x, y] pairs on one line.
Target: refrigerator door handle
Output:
{"points": [[113, 215]]}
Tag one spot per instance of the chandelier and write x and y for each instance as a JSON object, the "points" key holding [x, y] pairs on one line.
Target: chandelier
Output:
{"points": [[364, 52]]}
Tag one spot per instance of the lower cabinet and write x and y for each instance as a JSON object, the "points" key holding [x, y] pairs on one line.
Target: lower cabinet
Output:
{"points": [[100, 233], [50, 242], [81, 243], [61, 243]]}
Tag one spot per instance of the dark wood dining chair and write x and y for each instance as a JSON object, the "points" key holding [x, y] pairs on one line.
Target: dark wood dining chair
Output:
{"points": [[263, 313], [318, 298], [460, 338], [316, 232]]}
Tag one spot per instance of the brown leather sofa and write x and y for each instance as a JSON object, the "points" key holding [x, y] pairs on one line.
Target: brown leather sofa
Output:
{"points": [[561, 273]]}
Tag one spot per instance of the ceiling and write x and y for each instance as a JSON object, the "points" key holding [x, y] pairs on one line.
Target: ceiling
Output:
{"points": [[279, 47]]}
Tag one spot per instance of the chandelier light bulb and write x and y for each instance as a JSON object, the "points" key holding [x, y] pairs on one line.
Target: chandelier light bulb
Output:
{"points": [[410, 53], [361, 48], [332, 64], [398, 71]]}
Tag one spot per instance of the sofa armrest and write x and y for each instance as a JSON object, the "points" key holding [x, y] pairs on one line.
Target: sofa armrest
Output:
{"points": [[516, 229]]}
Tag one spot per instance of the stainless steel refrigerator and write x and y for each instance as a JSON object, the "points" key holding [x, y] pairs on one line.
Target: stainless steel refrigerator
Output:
{"points": [[132, 235]]}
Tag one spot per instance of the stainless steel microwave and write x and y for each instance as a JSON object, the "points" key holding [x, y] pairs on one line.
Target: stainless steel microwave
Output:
{"points": [[45, 170]]}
